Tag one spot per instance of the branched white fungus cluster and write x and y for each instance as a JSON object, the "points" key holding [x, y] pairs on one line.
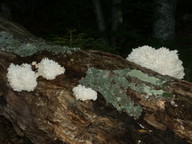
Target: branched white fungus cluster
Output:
{"points": [[22, 77], [162, 60], [49, 69], [83, 93]]}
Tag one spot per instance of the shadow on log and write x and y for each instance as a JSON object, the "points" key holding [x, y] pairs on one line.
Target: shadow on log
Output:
{"points": [[51, 114]]}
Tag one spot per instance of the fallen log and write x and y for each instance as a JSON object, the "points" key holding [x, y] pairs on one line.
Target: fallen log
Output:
{"points": [[128, 94]]}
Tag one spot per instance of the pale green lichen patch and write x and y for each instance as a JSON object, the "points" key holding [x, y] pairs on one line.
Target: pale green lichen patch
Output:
{"points": [[123, 72], [143, 88], [150, 91], [113, 86], [30, 47], [145, 77]]}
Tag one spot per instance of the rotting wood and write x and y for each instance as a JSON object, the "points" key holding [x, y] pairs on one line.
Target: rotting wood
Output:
{"points": [[51, 114]]}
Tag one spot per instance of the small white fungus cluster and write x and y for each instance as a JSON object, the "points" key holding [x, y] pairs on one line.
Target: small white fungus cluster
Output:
{"points": [[83, 93], [161, 60], [49, 69], [24, 78]]}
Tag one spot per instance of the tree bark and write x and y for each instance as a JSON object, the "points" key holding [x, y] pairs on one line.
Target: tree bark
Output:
{"points": [[51, 114], [164, 23]]}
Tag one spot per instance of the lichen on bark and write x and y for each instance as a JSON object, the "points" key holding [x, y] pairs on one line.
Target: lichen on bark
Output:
{"points": [[113, 86], [29, 47]]}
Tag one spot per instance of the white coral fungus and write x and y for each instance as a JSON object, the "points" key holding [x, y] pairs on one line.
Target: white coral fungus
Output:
{"points": [[21, 77], [49, 69], [162, 60], [83, 93]]}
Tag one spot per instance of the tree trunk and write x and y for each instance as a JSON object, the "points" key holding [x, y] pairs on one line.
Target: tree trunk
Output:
{"points": [[5, 11], [164, 23], [117, 18], [99, 17], [149, 106]]}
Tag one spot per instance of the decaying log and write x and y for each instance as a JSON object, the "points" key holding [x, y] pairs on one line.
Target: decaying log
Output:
{"points": [[51, 114]]}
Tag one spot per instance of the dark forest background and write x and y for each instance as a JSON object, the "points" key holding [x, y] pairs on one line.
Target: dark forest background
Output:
{"points": [[114, 26]]}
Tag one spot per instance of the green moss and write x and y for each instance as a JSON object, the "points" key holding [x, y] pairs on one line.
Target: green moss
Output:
{"points": [[113, 86]]}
